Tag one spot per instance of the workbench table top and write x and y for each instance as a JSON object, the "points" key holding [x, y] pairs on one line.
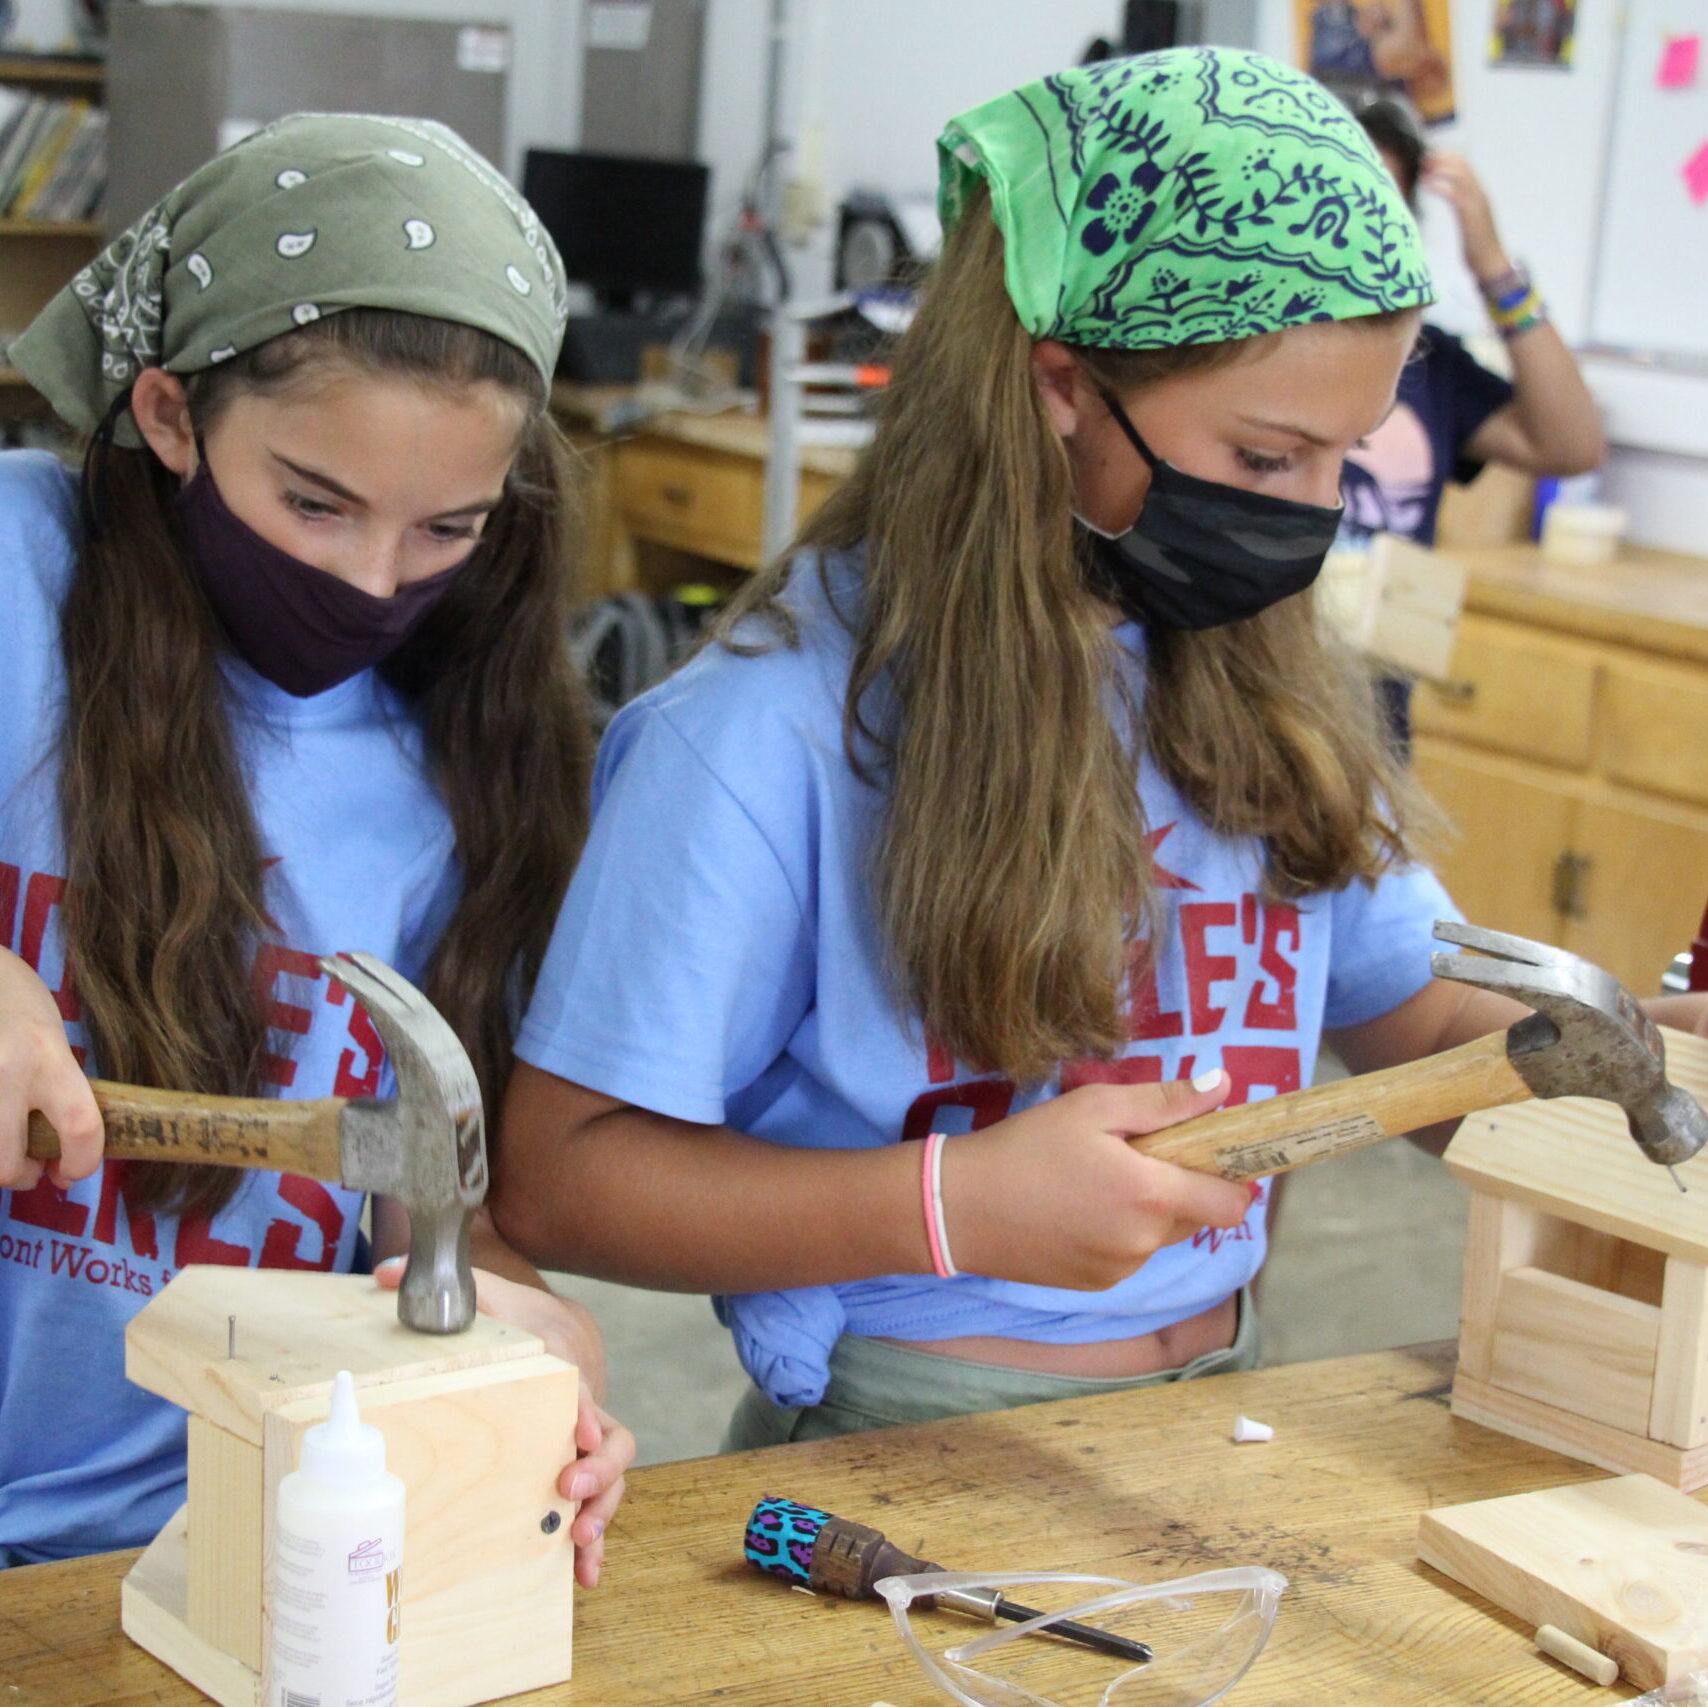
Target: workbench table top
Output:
{"points": [[1656, 601], [1143, 1484]]}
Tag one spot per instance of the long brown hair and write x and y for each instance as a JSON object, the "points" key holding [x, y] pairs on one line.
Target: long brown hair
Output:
{"points": [[1013, 869], [164, 897]]}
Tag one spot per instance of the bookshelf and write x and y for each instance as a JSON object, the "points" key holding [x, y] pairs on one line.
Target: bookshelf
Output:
{"points": [[38, 256]]}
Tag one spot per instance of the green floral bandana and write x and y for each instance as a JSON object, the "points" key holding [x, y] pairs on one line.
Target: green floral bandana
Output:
{"points": [[1184, 197], [313, 214]]}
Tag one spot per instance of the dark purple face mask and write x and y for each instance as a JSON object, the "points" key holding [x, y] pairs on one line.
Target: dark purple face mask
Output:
{"points": [[300, 627]]}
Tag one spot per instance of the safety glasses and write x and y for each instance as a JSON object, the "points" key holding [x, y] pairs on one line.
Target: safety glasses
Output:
{"points": [[1203, 1633]]}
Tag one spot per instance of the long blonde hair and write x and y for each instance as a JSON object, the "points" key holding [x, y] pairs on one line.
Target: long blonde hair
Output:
{"points": [[165, 876], [1013, 869]]}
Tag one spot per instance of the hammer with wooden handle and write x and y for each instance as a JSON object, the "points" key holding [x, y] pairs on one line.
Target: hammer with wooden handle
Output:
{"points": [[425, 1147], [1589, 1037]]}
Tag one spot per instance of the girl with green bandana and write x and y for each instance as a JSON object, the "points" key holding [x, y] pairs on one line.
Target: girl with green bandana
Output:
{"points": [[285, 676], [1026, 807]]}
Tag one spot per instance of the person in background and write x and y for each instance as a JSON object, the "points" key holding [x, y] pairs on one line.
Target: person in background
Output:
{"points": [[1452, 415]]}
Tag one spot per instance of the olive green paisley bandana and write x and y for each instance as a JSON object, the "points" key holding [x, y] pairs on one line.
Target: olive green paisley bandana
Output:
{"points": [[1184, 197], [316, 213]]}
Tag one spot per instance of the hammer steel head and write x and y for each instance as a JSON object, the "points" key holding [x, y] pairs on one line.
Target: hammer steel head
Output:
{"points": [[1589, 1036], [426, 1146]]}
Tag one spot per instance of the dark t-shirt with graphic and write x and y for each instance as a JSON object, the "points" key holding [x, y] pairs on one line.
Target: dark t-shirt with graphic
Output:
{"points": [[1393, 482]]}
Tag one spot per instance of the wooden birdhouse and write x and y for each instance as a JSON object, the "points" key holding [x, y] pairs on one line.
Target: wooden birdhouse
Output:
{"points": [[477, 1424], [1584, 1315]]}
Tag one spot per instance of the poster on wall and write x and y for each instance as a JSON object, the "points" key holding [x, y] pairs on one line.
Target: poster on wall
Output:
{"points": [[1361, 48], [1533, 32]]}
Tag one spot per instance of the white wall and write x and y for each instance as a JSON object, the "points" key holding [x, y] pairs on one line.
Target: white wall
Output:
{"points": [[869, 85], [1539, 139]]}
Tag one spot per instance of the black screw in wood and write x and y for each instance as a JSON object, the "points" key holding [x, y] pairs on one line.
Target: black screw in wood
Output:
{"points": [[552, 1522]]}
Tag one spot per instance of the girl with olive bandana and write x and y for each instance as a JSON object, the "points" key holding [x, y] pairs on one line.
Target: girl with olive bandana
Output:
{"points": [[1025, 807]]}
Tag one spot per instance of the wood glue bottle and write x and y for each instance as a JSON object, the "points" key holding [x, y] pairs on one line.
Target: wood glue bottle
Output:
{"points": [[333, 1575]]}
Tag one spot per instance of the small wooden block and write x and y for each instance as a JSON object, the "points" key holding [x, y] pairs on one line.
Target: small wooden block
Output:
{"points": [[1576, 1346], [1578, 1436], [223, 1595], [1620, 1565], [154, 1607], [1412, 605], [1679, 1412], [294, 1332]]}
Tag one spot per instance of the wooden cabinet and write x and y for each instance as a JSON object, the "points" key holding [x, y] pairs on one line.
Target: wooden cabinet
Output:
{"points": [[690, 484], [1569, 750]]}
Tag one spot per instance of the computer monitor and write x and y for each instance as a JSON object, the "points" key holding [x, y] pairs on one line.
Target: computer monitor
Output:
{"points": [[628, 228]]}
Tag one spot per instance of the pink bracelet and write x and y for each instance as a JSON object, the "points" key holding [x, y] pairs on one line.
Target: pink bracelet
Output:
{"points": [[931, 1194]]}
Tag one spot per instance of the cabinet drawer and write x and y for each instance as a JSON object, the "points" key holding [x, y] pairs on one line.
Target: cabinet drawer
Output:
{"points": [[692, 498], [1655, 728], [1514, 691]]}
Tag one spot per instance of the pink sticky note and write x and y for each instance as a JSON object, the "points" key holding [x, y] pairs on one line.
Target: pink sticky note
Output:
{"points": [[1696, 174], [1678, 62]]}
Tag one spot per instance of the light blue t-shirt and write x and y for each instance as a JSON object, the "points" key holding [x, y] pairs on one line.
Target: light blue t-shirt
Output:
{"points": [[360, 856], [717, 959]]}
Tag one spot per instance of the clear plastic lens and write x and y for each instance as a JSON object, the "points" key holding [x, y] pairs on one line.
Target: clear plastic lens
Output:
{"points": [[1204, 1633]]}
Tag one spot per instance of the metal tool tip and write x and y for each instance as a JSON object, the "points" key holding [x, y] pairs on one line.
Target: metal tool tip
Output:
{"points": [[1677, 1181]]}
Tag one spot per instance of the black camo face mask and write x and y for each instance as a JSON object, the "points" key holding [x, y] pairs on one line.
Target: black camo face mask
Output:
{"points": [[1202, 553]]}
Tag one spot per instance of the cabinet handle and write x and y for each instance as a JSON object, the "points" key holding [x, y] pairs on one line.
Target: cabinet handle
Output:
{"points": [[680, 496], [1459, 692], [1570, 870]]}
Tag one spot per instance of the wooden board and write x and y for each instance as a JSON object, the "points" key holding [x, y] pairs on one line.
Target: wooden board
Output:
{"points": [[1679, 1411], [154, 1610], [1621, 1565], [176, 1346], [1574, 1157], [1578, 1436], [225, 1565], [1142, 1484], [1412, 606], [1577, 1346], [487, 1585]]}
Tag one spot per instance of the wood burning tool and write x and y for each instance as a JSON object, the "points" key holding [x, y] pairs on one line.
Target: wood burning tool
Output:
{"points": [[425, 1147], [834, 1555], [1589, 1037]]}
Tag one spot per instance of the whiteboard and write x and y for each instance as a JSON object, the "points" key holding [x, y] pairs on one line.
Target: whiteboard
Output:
{"points": [[1650, 290]]}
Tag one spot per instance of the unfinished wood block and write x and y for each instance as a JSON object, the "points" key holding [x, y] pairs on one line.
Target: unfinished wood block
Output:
{"points": [[1679, 1413], [154, 1612], [1573, 1345], [223, 1589], [486, 1569], [293, 1333], [1501, 1234], [1578, 1436], [1620, 1565], [1573, 1157], [478, 1426]]}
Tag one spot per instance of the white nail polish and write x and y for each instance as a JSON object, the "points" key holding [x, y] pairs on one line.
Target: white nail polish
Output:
{"points": [[1208, 1081]]}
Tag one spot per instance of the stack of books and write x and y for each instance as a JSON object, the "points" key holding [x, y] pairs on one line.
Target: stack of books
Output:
{"points": [[53, 157]]}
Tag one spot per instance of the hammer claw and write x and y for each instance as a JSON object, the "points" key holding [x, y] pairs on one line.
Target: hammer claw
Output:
{"points": [[1501, 945]]}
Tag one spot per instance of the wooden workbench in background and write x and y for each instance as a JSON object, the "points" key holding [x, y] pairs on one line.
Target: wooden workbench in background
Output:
{"points": [[691, 487], [1570, 748], [1143, 1484]]}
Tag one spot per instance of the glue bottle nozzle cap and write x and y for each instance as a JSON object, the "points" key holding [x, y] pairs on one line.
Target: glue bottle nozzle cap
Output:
{"points": [[343, 1448]]}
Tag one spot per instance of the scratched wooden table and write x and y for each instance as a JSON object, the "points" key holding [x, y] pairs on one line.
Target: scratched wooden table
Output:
{"points": [[1142, 1484]]}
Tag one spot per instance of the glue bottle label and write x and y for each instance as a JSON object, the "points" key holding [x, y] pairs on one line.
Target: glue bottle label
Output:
{"points": [[335, 1617]]}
